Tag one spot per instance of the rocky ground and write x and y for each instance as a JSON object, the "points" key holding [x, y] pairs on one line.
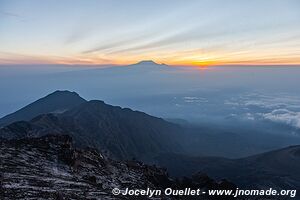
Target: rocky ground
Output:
{"points": [[51, 168]]}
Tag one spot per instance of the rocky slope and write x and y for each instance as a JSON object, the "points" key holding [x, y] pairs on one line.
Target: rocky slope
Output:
{"points": [[50, 167]]}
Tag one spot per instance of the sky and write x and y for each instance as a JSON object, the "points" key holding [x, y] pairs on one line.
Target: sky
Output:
{"points": [[174, 32]]}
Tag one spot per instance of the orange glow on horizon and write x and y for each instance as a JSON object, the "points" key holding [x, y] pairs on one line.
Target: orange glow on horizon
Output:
{"points": [[176, 60]]}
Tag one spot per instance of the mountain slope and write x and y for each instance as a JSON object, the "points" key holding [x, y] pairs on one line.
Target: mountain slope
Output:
{"points": [[124, 132], [118, 132], [57, 101], [50, 167], [277, 169]]}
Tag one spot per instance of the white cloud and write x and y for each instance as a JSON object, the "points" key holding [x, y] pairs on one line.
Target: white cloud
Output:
{"points": [[227, 102], [272, 101], [284, 116], [250, 116], [195, 100]]}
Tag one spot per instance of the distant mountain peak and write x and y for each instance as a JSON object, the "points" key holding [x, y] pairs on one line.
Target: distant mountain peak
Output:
{"points": [[147, 62]]}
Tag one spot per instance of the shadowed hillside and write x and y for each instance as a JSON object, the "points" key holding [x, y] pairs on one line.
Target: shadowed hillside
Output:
{"points": [[118, 132], [58, 101]]}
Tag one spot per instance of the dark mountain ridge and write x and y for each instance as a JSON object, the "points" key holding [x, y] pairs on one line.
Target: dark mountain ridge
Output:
{"points": [[277, 169], [124, 134], [58, 101], [118, 132]]}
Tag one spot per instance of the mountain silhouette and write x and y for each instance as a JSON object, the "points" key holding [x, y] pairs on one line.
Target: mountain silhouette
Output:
{"points": [[277, 169], [58, 101], [119, 132], [147, 62], [124, 134]]}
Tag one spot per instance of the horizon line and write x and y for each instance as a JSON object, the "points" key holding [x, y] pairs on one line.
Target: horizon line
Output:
{"points": [[171, 65]]}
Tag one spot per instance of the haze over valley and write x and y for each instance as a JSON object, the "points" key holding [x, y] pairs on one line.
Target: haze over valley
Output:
{"points": [[224, 111], [119, 99]]}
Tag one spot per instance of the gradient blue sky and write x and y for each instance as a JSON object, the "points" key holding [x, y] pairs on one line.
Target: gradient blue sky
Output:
{"points": [[169, 31]]}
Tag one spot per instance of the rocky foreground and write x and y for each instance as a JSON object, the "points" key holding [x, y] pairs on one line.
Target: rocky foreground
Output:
{"points": [[50, 167]]}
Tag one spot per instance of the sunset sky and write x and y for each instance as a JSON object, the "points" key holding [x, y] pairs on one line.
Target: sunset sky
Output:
{"points": [[168, 31]]}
